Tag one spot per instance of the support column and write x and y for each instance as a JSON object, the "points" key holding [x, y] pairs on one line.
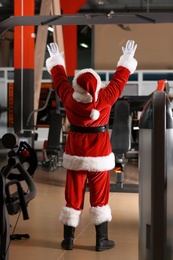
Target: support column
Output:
{"points": [[40, 48], [57, 29], [70, 35], [23, 67]]}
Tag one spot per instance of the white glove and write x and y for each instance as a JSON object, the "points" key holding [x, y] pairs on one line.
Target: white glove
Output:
{"points": [[53, 49], [56, 57], [130, 48]]}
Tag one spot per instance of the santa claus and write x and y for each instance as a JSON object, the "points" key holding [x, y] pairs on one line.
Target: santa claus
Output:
{"points": [[88, 155]]}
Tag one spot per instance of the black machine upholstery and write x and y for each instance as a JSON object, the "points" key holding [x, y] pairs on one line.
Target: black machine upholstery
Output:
{"points": [[53, 147], [55, 127], [121, 132]]}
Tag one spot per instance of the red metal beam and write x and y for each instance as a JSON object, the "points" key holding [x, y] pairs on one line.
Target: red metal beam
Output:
{"points": [[70, 34], [23, 36]]}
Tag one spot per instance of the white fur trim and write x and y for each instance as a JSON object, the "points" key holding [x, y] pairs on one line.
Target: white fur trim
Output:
{"points": [[128, 62], [53, 61], [94, 164], [79, 89], [70, 216], [82, 97], [99, 215], [94, 114]]}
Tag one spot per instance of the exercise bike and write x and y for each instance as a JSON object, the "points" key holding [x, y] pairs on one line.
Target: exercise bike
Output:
{"points": [[21, 165]]}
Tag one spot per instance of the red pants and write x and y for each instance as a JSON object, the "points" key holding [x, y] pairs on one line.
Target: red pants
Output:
{"points": [[99, 184]]}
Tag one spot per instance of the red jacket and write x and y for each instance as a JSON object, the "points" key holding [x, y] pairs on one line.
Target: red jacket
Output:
{"points": [[88, 151]]}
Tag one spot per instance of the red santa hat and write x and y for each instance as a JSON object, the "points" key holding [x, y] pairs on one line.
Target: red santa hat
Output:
{"points": [[87, 84]]}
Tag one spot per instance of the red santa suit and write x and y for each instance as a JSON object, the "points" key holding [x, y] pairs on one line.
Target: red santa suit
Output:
{"points": [[88, 153]]}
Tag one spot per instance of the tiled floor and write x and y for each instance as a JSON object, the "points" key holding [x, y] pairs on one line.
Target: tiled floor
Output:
{"points": [[46, 231]]}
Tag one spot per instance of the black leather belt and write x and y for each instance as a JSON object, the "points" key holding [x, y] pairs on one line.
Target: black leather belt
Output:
{"points": [[83, 129]]}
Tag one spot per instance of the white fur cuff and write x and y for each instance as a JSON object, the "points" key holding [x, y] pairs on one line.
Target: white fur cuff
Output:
{"points": [[128, 62], [53, 61], [93, 164], [70, 216], [99, 215]]}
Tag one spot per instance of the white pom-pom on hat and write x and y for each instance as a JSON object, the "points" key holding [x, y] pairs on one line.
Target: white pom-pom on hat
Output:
{"points": [[94, 114]]}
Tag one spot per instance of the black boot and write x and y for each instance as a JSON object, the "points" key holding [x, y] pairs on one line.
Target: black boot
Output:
{"points": [[67, 243], [102, 242]]}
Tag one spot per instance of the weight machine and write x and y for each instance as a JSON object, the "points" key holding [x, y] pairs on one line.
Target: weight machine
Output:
{"points": [[52, 147], [156, 179]]}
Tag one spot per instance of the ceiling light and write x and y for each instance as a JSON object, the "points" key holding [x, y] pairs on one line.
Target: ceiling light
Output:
{"points": [[50, 29], [84, 45], [100, 2]]}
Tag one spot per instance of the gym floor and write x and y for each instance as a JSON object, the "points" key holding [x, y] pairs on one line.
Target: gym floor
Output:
{"points": [[46, 232]]}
